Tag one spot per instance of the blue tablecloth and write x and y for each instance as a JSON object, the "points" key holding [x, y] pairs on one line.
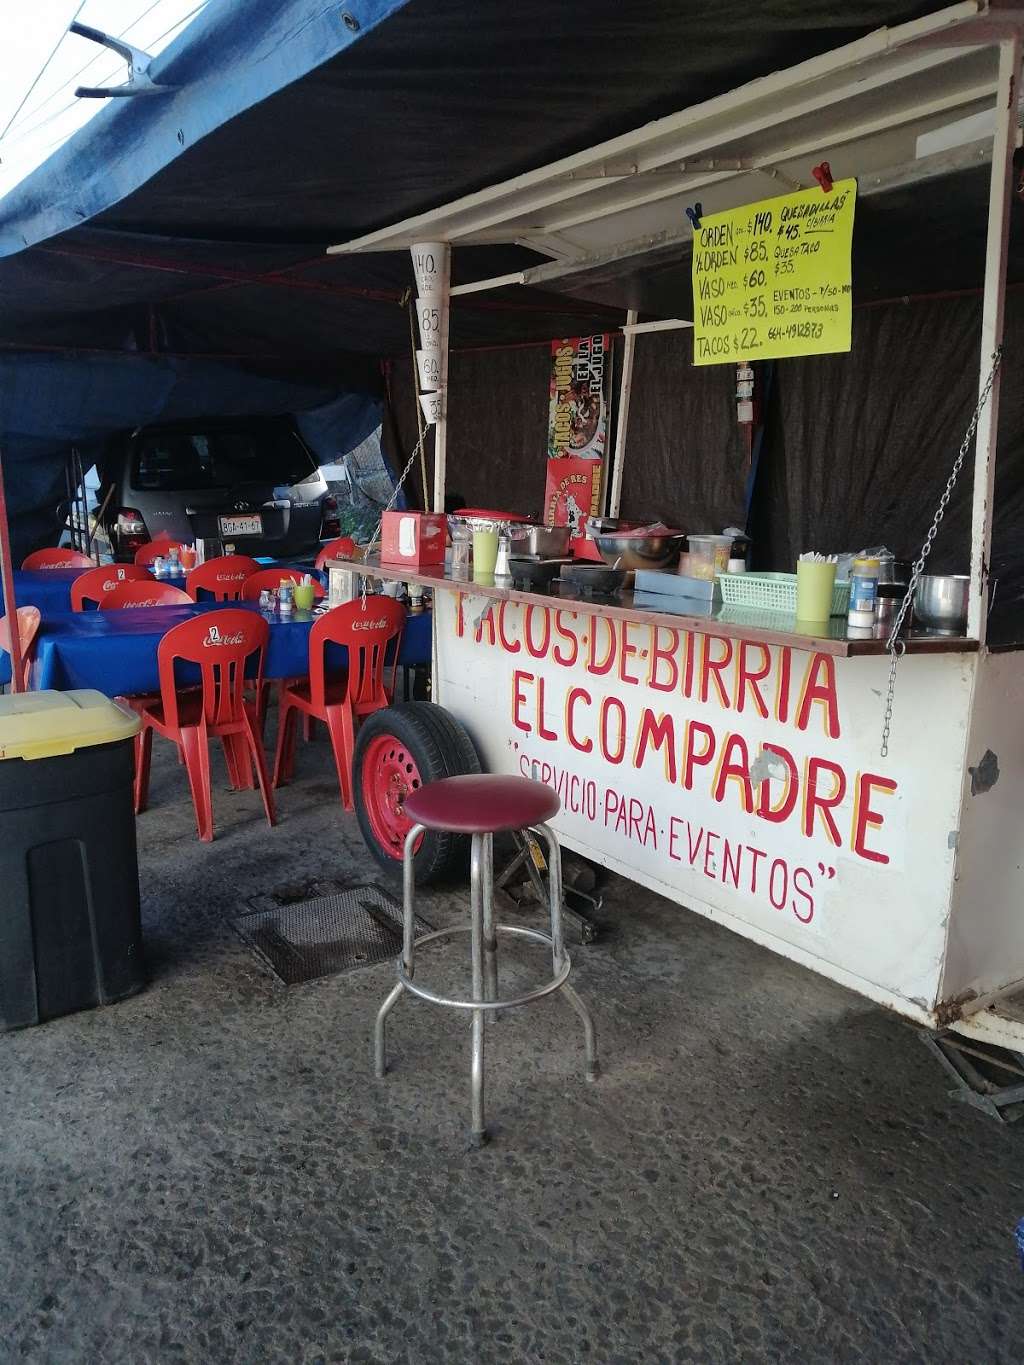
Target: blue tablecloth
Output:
{"points": [[47, 589], [115, 651]]}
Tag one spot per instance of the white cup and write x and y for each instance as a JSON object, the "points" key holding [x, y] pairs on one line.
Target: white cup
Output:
{"points": [[428, 319], [430, 266], [428, 366], [433, 407]]}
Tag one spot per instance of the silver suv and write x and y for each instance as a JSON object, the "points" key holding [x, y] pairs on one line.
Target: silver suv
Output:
{"points": [[250, 483]]}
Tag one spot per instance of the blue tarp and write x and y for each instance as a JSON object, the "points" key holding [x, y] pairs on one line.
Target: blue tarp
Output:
{"points": [[234, 54], [49, 403]]}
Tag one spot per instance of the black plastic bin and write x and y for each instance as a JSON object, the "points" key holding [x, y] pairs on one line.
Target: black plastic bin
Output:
{"points": [[70, 935]]}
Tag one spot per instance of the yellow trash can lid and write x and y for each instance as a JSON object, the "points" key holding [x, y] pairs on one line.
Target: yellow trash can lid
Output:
{"points": [[45, 724]]}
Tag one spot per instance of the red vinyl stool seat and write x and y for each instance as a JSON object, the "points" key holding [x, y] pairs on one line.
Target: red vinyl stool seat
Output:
{"points": [[482, 805]]}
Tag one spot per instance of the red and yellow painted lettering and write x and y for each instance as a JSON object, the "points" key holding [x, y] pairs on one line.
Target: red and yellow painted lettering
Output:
{"points": [[734, 766], [568, 636], [691, 758], [576, 694], [747, 678], [662, 659], [711, 669], [537, 650], [519, 698], [819, 688], [864, 818], [510, 646], [657, 732], [784, 809], [815, 801]]}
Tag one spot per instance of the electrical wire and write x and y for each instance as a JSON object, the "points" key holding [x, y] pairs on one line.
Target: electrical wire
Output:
{"points": [[103, 81], [73, 80], [39, 74]]}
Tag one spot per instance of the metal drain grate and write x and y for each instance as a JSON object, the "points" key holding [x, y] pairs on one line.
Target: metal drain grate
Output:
{"points": [[305, 940]]}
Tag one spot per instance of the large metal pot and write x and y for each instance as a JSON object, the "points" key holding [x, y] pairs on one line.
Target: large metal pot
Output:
{"points": [[545, 542], [940, 601], [624, 551]]}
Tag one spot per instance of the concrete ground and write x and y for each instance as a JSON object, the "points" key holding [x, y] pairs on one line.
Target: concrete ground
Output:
{"points": [[769, 1168]]}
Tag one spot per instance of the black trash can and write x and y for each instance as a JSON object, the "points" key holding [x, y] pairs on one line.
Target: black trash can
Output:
{"points": [[70, 935]]}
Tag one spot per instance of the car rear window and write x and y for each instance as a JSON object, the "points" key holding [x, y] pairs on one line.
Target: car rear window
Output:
{"points": [[178, 461]]}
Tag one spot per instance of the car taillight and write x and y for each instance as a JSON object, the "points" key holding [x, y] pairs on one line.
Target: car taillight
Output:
{"points": [[129, 531], [330, 526]]}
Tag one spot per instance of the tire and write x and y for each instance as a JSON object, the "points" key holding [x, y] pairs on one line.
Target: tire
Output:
{"points": [[399, 749]]}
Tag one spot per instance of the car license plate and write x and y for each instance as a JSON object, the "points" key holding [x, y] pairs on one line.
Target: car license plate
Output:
{"points": [[241, 526]]}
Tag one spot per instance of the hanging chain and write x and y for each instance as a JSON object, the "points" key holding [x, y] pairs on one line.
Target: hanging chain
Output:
{"points": [[394, 498], [894, 645]]}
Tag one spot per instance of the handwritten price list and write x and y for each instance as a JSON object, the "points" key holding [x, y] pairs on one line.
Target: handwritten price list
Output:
{"points": [[774, 279]]}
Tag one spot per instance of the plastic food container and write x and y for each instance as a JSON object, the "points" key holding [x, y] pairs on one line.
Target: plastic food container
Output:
{"points": [[709, 555]]}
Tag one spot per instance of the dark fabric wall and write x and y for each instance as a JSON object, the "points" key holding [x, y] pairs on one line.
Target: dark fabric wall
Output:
{"points": [[497, 426], [856, 449], [685, 462], [685, 456]]}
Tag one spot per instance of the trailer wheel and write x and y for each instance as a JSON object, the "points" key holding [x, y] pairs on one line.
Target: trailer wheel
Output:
{"points": [[399, 749]]}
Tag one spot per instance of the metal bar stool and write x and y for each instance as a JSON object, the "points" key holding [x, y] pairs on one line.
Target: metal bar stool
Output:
{"points": [[482, 806]]}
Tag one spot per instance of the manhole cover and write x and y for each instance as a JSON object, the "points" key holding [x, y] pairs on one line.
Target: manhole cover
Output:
{"points": [[304, 940]]}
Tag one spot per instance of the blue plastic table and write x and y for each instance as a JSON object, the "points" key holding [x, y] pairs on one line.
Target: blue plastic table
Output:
{"points": [[115, 651], [47, 589]]}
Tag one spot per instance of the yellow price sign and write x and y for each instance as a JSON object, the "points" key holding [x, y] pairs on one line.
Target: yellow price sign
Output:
{"points": [[774, 279]]}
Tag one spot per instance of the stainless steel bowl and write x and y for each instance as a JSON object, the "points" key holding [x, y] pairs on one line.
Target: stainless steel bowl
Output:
{"points": [[940, 601], [623, 551], [545, 542]]}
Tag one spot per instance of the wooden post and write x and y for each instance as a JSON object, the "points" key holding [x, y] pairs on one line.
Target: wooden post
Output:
{"points": [[622, 425], [994, 298]]}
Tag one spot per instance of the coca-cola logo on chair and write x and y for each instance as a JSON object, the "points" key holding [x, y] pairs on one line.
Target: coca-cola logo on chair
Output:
{"points": [[370, 625], [214, 637]]}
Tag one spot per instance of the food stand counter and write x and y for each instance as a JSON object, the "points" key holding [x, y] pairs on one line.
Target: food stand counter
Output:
{"points": [[735, 769]]}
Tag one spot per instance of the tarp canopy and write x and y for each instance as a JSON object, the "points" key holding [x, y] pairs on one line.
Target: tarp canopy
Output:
{"points": [[290, 126], [54, 402], [188, 227]]}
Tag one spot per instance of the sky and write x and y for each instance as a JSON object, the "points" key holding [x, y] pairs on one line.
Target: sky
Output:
{"points": [[41, 64]]}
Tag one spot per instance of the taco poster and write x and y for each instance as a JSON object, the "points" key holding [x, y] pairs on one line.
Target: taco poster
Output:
{"points": [[578, 409]]}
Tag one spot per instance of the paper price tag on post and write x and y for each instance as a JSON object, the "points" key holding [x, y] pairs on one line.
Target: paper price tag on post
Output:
{"points": [[774, 279]]}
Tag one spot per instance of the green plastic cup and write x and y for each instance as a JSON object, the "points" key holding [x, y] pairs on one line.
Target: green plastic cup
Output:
{"points": [[304, 596], [814, 584], [485, 551]]}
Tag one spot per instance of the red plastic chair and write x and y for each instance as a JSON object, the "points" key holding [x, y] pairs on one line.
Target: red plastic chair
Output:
{"points": [[148, 594], [221, 643], [28, 628], [145, 554], [221, 578], [365, 628], [89, 587], [57, 558], [342, 548], [271, 578]]}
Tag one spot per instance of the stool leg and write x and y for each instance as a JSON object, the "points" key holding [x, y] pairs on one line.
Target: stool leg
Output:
{"points": [[380, 1031], [478, 1129], [558, 948], [408, 951], [490, 937]]}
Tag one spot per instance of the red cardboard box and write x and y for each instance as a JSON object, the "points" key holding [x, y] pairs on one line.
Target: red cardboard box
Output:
{"points": [[413, 539]]}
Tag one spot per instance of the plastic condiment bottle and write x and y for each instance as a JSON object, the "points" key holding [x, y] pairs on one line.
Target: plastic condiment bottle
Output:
{"points": [[863, 592]]}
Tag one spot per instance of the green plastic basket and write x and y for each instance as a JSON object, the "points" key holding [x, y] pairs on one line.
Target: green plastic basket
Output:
{"points": [[773, 592]]}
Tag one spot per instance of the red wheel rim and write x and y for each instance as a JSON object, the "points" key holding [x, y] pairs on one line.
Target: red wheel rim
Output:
{"points": [[389, 773]]}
